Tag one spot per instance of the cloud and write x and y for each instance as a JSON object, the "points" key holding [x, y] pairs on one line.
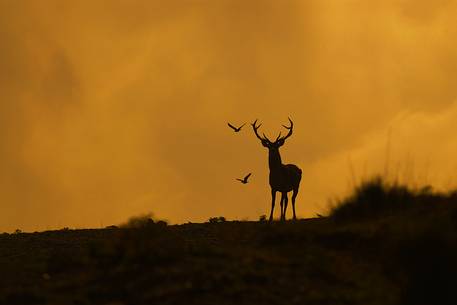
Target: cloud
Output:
{"points": [[110, 109], [416, 148]]}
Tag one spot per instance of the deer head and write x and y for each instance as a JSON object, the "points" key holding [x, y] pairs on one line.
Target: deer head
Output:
{"points": [[279, 140]]}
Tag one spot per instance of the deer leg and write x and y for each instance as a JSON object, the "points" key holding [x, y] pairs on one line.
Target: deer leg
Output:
{"points": [[273, 197], [285, 204], [294, 195], [282, 205]]}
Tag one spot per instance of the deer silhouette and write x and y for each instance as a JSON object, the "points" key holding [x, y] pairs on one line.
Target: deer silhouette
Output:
{"points": [[283, 177]]}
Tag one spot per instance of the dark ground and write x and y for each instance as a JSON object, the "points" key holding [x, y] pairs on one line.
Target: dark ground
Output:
{"points": [[408, 256]]}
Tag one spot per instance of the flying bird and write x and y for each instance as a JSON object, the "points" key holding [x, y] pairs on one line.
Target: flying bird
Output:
{"points": [[245, 179], [235, 128]]}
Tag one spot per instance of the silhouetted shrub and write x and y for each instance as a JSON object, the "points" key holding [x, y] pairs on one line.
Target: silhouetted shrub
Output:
{"points": [[217, 219], [18, 231], [137, 222], [161, 223], [263, 218], [377, 197]]}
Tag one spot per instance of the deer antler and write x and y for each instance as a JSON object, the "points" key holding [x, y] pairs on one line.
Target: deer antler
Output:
{"points": [[266, 138], [290, 128], [255, 128], [279, 136]]}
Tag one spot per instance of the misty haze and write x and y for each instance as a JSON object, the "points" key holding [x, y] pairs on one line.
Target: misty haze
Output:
{"points": [[103, 104]]}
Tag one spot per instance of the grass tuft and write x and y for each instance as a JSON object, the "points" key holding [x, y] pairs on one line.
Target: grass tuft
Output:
{"points": [[376, 197]]}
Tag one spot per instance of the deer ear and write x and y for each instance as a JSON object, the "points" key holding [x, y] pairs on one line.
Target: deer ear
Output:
{"points": [[280, 142], [264, 143]]}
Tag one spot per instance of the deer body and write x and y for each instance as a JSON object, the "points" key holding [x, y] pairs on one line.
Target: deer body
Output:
{"points": [[283, 177]]}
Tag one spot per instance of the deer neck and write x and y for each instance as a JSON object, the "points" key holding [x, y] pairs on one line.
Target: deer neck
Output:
{"points": [[274, 159]]}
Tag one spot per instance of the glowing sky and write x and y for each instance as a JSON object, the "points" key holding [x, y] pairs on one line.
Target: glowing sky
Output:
{"points": [[110, 109]]}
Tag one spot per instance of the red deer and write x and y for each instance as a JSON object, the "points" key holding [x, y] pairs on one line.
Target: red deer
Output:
{"points": [[283, 177]]}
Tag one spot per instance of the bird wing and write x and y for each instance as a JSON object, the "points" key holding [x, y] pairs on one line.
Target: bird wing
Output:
{"points": [[241, 180], [241, 126], [247, 176], [231, 126]]}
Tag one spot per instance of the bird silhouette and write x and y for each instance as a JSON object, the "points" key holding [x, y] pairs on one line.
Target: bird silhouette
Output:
{"points": [[245, 179], [235, 128]]}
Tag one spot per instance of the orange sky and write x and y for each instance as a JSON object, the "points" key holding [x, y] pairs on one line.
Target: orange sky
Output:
{"points": [[110, 109]]}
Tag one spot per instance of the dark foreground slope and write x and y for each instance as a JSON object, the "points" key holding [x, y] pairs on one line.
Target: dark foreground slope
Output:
{"points": [[407, 257]]}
